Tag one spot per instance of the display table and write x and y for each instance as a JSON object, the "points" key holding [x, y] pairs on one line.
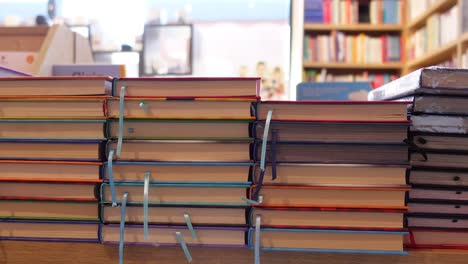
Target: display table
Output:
{"points": [[16, 252]]}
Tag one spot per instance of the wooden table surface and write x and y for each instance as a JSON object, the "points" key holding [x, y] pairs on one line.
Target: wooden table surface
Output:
{"points": [[16, 252]]}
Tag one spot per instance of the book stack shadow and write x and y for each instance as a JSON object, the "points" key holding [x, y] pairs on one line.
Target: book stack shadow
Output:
{"points": [[51, 134], [178, 162], [438, 200], [334, 178]]}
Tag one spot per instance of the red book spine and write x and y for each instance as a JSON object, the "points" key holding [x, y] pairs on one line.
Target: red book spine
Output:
{"points": [[384, 48], [326, 11]]}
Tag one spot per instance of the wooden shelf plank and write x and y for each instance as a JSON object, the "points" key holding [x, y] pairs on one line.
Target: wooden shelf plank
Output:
{"points": [[354, 66], [433, 57], [421, 20], [355, 27]]}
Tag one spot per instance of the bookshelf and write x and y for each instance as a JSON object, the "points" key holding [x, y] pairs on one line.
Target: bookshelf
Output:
{"points": [[359, 27], [446, 50]]}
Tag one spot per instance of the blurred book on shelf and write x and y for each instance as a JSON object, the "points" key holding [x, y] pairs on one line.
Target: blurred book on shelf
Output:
{"points": [[376, 79], [353, 11], [352, 48]]}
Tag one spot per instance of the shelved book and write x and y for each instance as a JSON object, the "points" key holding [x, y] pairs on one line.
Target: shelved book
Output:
{"points": [[353, 11], [319, 240], [201, 108], [376, 78], [51, 231], [352, 48], [165, 235], [179, 172], [47, 87], [180, 194], [171, 215], [430, 80], [441, 28], [188, 87]]}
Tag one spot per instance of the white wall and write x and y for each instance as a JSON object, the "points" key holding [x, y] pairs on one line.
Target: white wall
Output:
{"points": [[220, 48]]}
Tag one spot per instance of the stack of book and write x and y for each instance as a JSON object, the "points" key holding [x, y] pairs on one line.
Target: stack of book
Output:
{"points": [[334, 178], [438, 199], [178, 161], [51, 133]]}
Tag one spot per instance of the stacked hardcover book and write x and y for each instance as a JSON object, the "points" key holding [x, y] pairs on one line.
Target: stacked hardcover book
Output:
{"points": [[178, 161], [438, 199], [334, 177], [51, 133]]}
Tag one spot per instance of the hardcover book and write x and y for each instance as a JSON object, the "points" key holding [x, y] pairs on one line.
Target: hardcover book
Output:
{"points": [[436, 238], [165, 235], [55, 86], [181, 129], [171, 215], [318, 240], [328, 218], [53, 108], [438, 177], [50, 150], [334, 132], [298, 152], [179, 194], [49, 210], [430, 80], [188, 87], [439, 124], [333, 196], [189, 151], [179, 172], [336, 111], [437, 207], [201, 108], [50, 231], [332, 174], [52, 129], [48, 191]]}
